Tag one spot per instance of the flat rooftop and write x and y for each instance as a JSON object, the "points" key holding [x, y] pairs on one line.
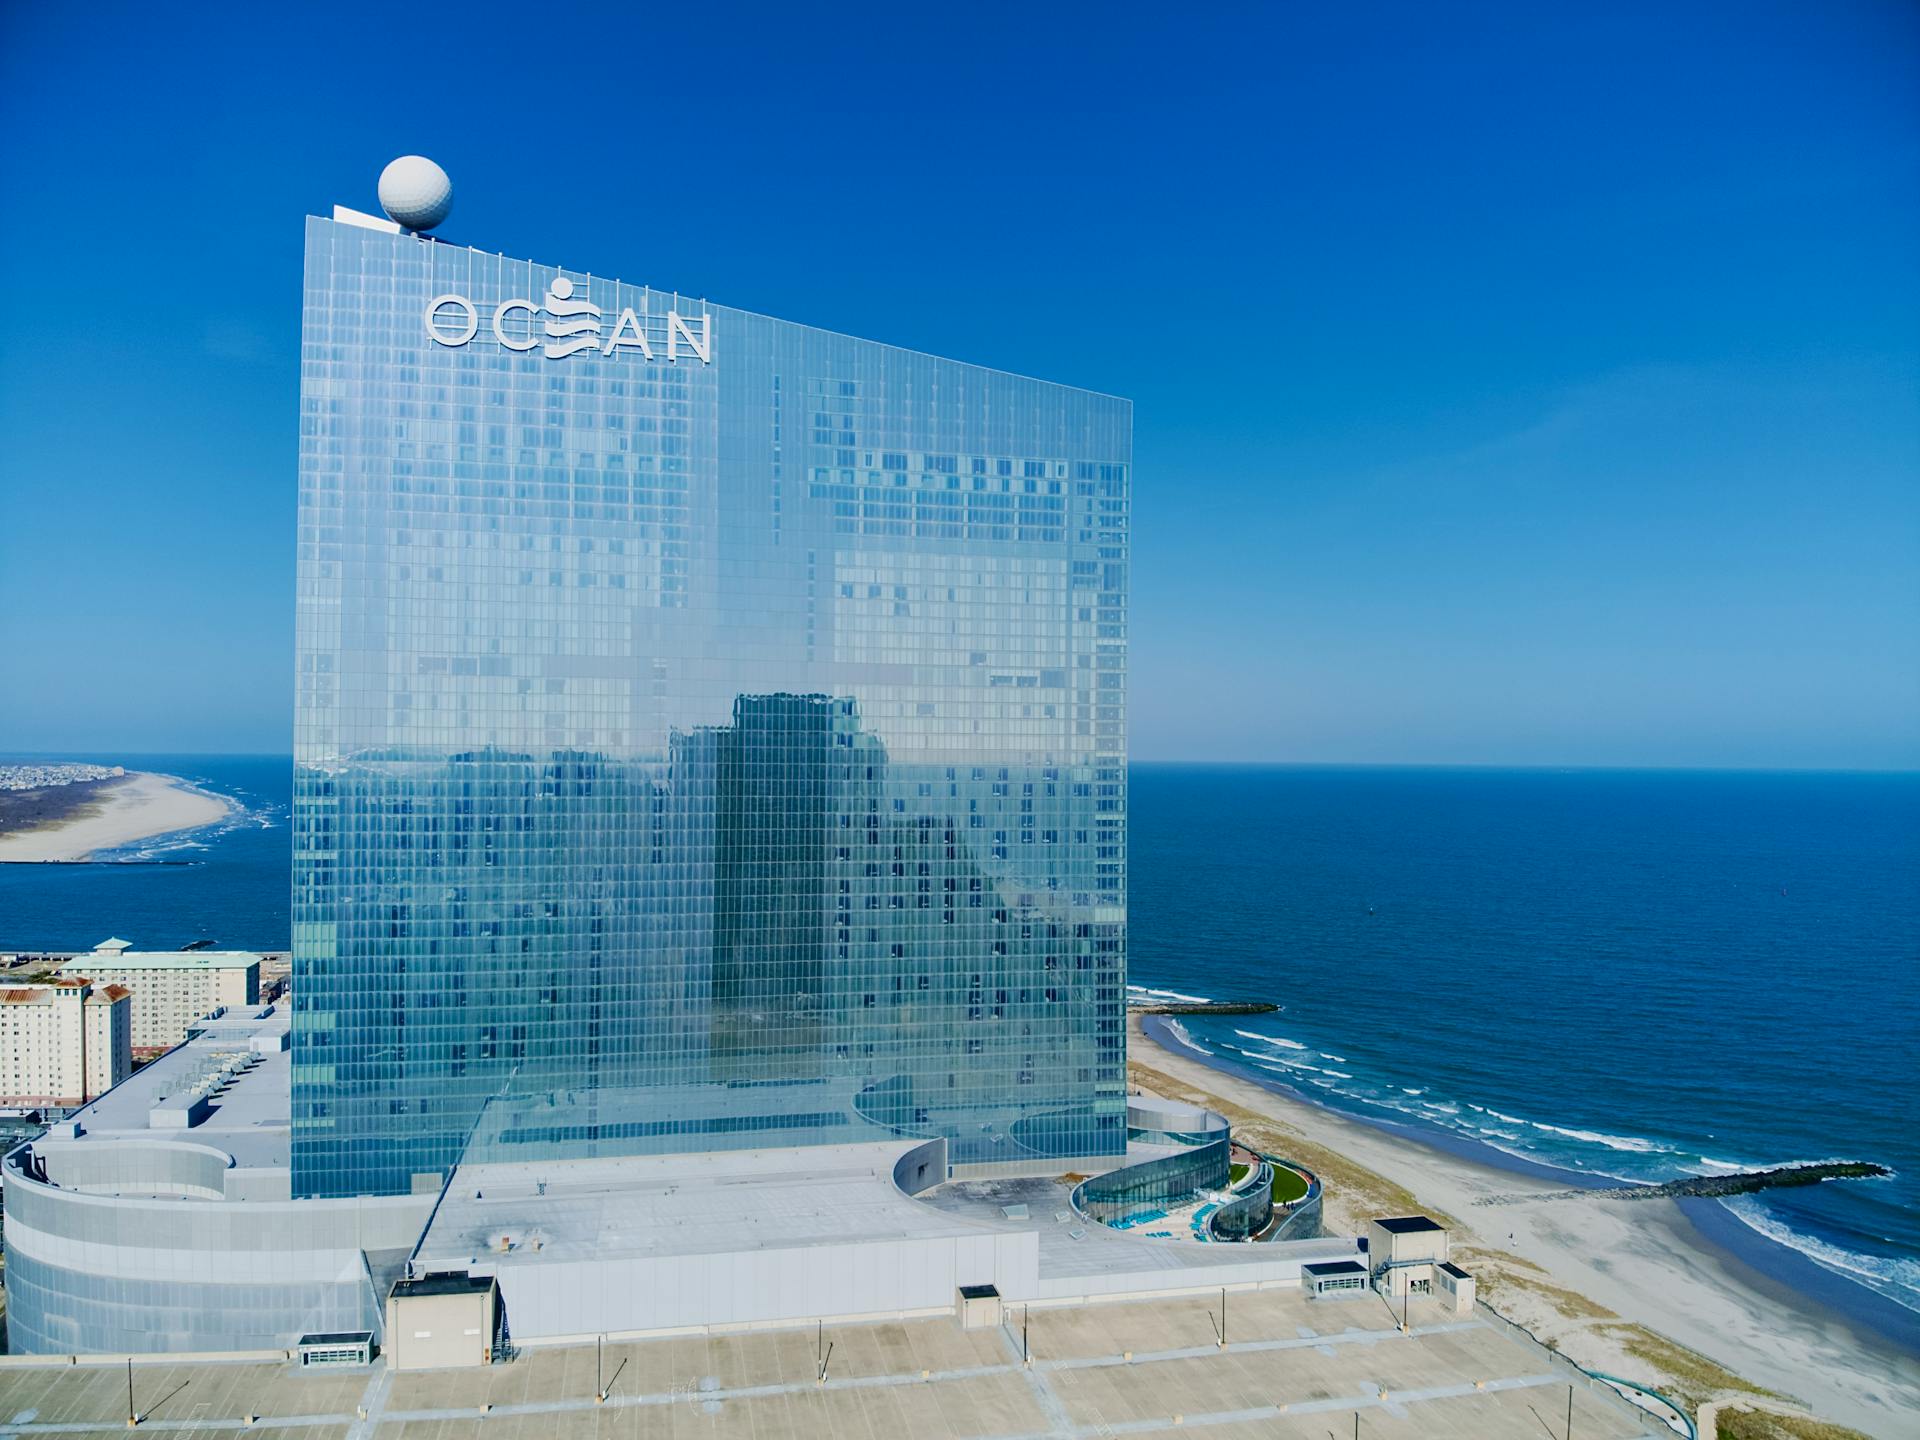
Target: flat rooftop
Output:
{"points": [[251, 1114], [1409, 1225], [1334, 1267], [1294, 1369], [161, 960], [715, 1203], [500, 1215], [442, 1285]]}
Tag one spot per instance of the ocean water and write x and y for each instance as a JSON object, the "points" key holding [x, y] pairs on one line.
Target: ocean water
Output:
{"points": [[230, 882], [1633, 974], [1643, 975]]}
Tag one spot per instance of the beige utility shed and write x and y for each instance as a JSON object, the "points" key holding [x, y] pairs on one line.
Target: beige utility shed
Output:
{"points": [[1411, 1252], [439, 1321]]}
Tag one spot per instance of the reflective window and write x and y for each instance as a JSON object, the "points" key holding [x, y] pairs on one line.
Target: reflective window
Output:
{"points": [[687, 756]]}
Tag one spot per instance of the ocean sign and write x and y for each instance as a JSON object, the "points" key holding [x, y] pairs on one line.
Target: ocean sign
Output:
{"points": [[572, 324]]}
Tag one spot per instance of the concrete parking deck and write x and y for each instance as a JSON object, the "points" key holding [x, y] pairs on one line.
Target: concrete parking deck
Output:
{"points": [[1292, 1368]]}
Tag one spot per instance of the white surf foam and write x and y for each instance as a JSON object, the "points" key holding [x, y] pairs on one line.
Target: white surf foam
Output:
{"points": [[1284, 1067], [1169, 995], [1898, 1280], [1270, 1058], [1186, 1038], [1631, 1143], [1280, 1041]]}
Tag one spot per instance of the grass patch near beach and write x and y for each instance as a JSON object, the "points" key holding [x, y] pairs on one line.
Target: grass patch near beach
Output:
{"points": [[1764, 1425], [51, 806], [1500, 1277], [1691, 1377], [1586, 1332], [1353, 1194], [1288, 1185]]}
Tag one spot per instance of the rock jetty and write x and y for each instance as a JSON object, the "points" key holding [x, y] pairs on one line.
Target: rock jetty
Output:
{"points": [[1714, 1187]]}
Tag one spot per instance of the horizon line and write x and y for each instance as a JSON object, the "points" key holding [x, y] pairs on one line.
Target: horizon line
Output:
{"points": [[91, 757]]}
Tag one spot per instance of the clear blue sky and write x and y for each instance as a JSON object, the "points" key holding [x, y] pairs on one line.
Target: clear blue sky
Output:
{"points": [[1514, 384]]}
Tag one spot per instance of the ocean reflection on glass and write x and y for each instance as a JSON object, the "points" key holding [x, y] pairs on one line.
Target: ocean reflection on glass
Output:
{"points": [[695, 754]]}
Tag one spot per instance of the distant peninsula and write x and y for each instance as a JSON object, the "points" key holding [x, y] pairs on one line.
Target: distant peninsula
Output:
{"points": [[63, 814]]}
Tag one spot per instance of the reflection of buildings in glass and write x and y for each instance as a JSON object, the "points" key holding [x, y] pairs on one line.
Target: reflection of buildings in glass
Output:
{"points": [[512, 928], [690, 751], [777, 795]]}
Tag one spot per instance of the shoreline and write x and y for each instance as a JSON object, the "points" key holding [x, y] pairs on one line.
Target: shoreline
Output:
{"points": [[1637, 1288], [1773, 1261], [142, 806]]}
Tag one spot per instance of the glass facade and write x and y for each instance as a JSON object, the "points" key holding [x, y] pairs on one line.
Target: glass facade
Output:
{"points": [[1156, 1185], [711, 732]]}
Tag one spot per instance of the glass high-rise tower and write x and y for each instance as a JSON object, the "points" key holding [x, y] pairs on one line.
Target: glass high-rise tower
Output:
{"points": [[711, 732]]}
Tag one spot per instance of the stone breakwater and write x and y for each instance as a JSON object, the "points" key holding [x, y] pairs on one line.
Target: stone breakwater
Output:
{"points": [[1712, 1187]]}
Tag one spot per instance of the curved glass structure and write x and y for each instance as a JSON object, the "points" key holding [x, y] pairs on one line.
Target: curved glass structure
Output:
{"points": [[1168, 1180], [1251, 1212], [711, 732]]}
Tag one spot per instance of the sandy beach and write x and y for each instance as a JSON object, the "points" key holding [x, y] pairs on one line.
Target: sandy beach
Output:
{"points": [[139, 807], [1626, 1287]]}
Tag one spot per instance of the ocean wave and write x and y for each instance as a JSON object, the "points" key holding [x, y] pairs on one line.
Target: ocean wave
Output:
{"points": [[1186, 1037], [1513, 1151], [1336, 1059], [1284, 1067], [1285, 1062], [1170, 995], [1898, 1280], [1283, 1043], [1631, 1143]]}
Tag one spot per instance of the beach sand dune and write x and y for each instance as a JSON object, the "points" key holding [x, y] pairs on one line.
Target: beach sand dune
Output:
{"points": [[1612, 1283], [139, 807]]}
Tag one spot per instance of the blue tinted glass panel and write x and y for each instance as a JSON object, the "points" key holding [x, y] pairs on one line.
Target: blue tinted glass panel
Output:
{"points": [[696, 751]]}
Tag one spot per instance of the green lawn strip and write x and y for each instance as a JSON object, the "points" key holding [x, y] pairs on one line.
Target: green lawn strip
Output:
{"points": [[1288, 1185]]}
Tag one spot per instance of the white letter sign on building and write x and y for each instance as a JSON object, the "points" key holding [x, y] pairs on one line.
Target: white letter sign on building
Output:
{"points": [[573, 324]]}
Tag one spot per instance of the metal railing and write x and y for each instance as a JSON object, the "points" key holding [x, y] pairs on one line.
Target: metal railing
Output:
{"points": [[1594, 1382]]}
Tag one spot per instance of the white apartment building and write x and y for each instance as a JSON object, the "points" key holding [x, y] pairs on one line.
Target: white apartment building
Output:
{"points": [[172, 988], [62, 1042]]}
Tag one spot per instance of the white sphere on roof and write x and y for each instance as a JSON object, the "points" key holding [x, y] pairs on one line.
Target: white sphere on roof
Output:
{"points": [[415, 192]]}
